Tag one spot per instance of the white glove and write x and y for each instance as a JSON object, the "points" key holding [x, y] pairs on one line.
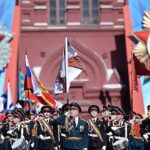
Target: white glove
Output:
{"points": [[56, 148], [127, 139], [42, 137], [67, 113], [104, 148], [145, 137], [109, 134], [32, 145], [84, 148], [10, 132]]}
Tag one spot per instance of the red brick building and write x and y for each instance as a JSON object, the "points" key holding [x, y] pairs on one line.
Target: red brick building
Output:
{"points": [[96, 30]]}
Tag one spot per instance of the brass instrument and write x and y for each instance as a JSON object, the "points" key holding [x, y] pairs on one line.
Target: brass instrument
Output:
{"points": [[49, 129], [96, 130], [132, 130], [68, 124], [34, 130], [25, 122]]}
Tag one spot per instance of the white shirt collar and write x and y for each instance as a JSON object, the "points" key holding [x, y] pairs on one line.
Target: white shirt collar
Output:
{"points": [[94, 119], [76, 120]]}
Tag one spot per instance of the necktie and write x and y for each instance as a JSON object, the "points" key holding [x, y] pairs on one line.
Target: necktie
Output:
{"points": [[94, 120], [74, 123]]}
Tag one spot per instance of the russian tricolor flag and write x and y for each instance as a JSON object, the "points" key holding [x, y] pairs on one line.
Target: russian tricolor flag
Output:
{"points": [[28, 79]]}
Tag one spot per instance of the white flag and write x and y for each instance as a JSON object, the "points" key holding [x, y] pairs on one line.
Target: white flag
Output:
{"points": [[70, 68], [9, 98]]}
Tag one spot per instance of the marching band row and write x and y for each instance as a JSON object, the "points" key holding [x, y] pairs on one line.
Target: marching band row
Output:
{"points": [[50, 129]]}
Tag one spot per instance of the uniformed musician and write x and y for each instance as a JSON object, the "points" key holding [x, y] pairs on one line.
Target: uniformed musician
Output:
{"points": [[65, 108], [5, 135], [44, 130], [97, 134], [21, 129], [145, 130], [76, 129], [136, 140], [56, 129]]}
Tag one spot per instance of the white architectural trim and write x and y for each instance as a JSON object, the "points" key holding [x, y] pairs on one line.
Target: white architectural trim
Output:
{"points": [[73, 23], [113, 86], [118, 26], [25, 2], [40, 7], [106, 6], [73, 7], [106, 23], [41, 24]]}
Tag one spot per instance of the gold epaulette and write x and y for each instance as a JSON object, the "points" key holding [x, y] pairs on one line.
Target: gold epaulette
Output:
{"points": [[84, 120]]}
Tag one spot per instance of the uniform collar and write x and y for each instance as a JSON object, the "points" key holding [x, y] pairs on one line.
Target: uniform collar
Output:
{"points": [[94, 119], [76, 120]]}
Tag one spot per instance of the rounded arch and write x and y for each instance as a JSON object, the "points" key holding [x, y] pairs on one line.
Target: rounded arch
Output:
{"points": [[94, 75]]}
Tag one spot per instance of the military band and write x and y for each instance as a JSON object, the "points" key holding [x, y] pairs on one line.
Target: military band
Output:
{"points": [[65, 129], [97, 134], [145, 130]]}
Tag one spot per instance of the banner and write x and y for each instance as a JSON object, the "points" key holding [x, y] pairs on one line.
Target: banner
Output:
{"points": [[137, 9]]}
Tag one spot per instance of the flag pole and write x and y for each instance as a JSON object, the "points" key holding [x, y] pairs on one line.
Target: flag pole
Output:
{"points": [[66, 69], [28, 94]]}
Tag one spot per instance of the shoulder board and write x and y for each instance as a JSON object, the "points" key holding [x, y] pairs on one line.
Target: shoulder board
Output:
{"points": [[85, 120]]}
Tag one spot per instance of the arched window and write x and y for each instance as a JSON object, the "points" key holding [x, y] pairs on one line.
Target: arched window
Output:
{"points": [[90, 12], [57, 12]]}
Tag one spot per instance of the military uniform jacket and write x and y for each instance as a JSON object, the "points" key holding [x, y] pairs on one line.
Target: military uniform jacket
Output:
{"points": [[77, 137], [19, 131], [44, 144], [95, 142], [145, 127]]}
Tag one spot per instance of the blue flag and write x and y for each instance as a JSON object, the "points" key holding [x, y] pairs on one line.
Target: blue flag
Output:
{"points": [[21, 86], [137, 8]]}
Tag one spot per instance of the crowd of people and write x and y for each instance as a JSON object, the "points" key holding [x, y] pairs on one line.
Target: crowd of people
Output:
{"points": [[65, 129]]}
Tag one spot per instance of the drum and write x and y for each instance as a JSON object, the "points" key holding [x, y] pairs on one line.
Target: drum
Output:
{"points": [[120, 144], [20, 144]]}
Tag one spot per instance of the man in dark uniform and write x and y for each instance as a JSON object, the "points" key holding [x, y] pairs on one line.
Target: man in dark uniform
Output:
{"points": [[8, 125], [106, 118], [97, 134], [44, 127], [65, 108], [145, 130], [56, 129], [21, 129], [136, 140], [119, 128], [76, 129]]}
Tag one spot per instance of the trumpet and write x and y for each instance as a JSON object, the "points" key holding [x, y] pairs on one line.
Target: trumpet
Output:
{"points": [[26, 122]]}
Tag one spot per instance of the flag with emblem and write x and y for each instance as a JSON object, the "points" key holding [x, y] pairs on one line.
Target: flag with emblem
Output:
{"points": [[70, 68]]}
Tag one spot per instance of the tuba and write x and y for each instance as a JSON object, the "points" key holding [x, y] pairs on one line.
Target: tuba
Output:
{"points": [[96, 130]]}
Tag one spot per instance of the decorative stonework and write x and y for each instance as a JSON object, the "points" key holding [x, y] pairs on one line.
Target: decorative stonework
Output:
{"points": [[99, 83], [89, 84], [37, 11]]}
